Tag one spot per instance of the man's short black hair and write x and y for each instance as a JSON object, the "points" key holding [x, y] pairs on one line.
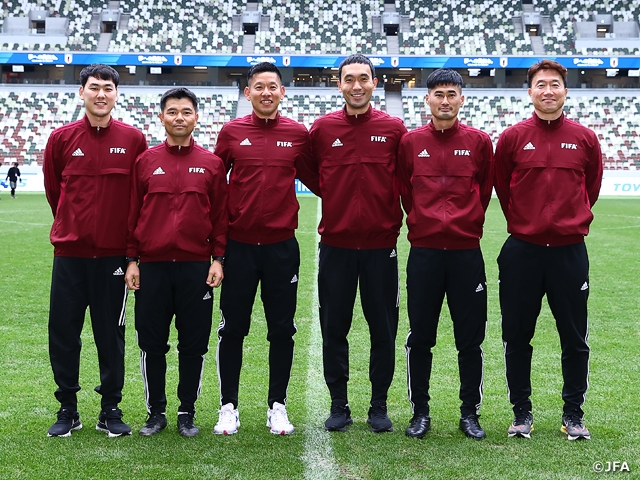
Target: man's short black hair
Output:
{"points": [[444, 76], [356, 58], [261, 68], [101, 72], [178, 93]]}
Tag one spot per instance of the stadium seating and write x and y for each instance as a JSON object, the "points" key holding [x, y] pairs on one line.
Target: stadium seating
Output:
{"points": [[27, 119], [306, 108], [451, 27], [196, 26], [562, 14], [320, 26]]}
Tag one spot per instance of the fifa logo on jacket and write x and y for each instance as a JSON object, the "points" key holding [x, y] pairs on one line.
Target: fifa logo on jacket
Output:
{"points": [[121, 150], [284, 144], [466, 153], [196, 170], [569, 146], [375, 138]]}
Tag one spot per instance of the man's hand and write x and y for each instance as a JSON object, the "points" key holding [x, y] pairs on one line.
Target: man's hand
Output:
{"points": [[132, 277], [214, 279]]}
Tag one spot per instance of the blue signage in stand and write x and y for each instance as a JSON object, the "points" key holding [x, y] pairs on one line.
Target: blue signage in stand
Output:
{"points": [[306, 61]]}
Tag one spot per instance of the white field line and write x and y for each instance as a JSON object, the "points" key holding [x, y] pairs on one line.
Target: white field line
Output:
{"points": [[319, 462]]}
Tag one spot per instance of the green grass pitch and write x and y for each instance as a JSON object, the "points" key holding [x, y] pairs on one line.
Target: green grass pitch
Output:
{"points": [[27, 404]]}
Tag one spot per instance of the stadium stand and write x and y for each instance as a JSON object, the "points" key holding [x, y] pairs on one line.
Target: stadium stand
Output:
{"points": [[483, 27], [306, 105], [198, 26], [27, 118], [459, 28], [320, 26]]}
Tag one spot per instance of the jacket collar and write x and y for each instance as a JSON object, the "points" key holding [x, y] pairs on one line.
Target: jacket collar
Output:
{"points": [[446, 133], [265, 122], [548, 124], [179, 150], [358, 118], [88, 125]]}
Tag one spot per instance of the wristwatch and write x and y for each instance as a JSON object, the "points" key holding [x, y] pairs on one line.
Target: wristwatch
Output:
{"points": [[132, 259]]}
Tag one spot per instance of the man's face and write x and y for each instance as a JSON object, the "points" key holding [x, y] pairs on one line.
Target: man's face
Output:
{"points": [[357, 86], [99, 97], [265, 92], [548, 94], [179, 119], [445, 101]]}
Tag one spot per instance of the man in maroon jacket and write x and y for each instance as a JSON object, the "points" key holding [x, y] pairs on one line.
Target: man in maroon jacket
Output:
{"points": [[177, 224], [87, 179], [354, 158], [264, 152], [446, 173], [547, 176]]}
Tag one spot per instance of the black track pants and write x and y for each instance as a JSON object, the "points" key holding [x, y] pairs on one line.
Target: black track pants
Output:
{"points": [[168, 289], [78, 283], [527, 273], [340, 272], [275, 267], [459, 274]]}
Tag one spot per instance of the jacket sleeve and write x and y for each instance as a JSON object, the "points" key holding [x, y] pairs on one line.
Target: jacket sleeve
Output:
{"points": [[222, 149], [404, 172], [593, 172], [313, 160], [486, 172], [52, 171], [136, 199], [218, 213], [303, 165], [503, 170]]}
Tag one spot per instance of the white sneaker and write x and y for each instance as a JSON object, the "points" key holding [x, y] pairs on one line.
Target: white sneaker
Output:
{"points": [[228, 420], [278, 420]]}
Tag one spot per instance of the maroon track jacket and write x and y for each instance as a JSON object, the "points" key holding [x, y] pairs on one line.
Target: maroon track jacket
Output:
{"points": [[87, 179], [354, 158]]}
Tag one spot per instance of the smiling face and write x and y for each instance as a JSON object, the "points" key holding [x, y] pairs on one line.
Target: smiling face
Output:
{"points": [[357, 85], [99, 98], [548, 94], [179, 119], [445, 102], [265, 92]]}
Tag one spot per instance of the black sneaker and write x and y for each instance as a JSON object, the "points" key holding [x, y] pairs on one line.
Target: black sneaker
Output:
{"points": [[67, 420], [378, 418], [573, 426], [110, 422], [155, 424], [339, 419], [470, 425], [522, 425], [419, 426], [186, 428]]}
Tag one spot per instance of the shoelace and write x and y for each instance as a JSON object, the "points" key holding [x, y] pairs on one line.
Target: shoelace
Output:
{"points": [[227, 416], [279, 416], [521, 419], [574, 421]]}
